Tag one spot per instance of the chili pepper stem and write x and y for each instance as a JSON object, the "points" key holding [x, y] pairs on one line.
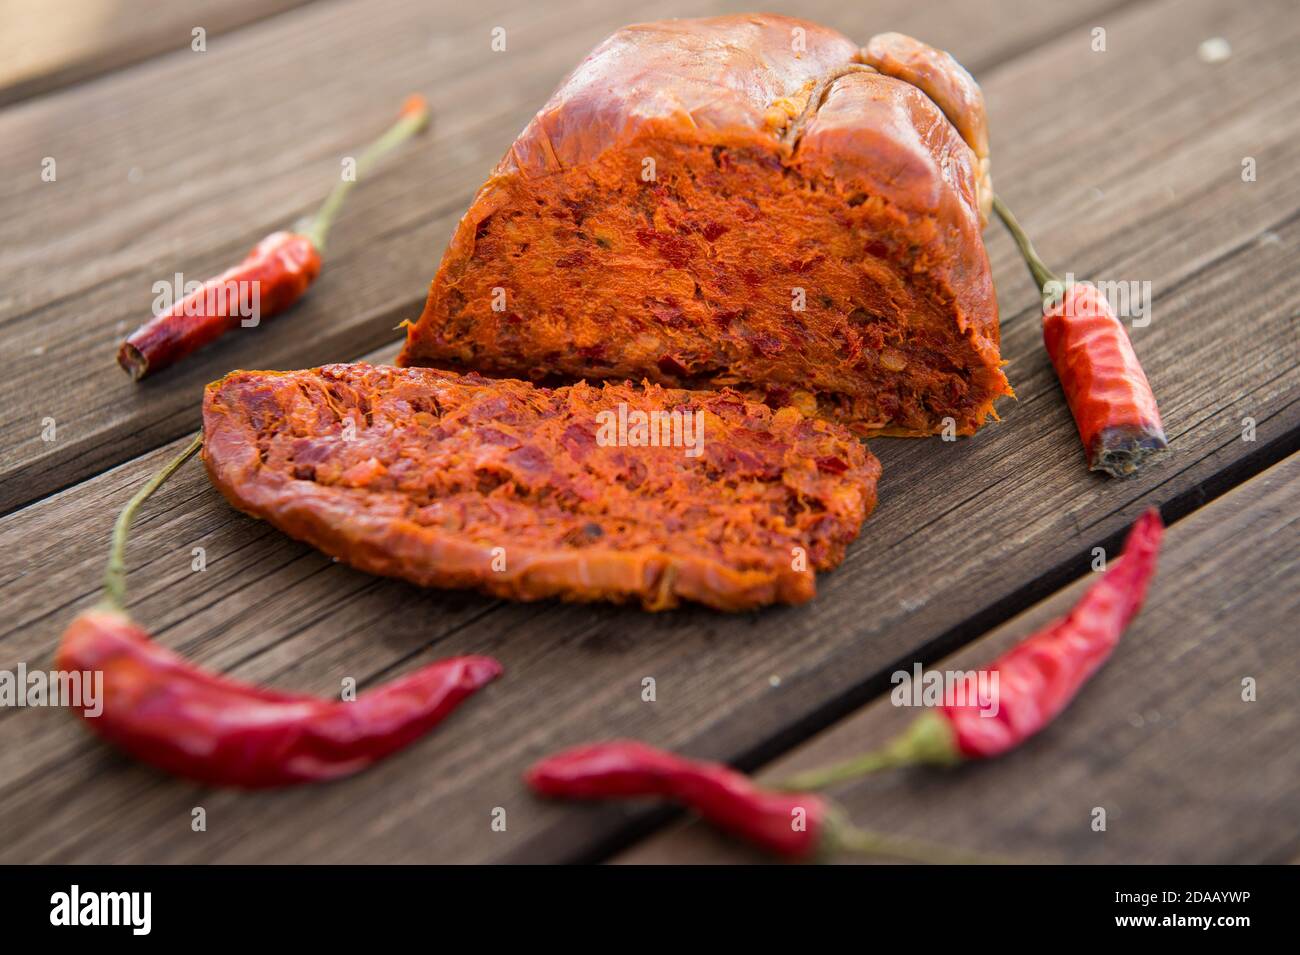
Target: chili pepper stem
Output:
{"points": [[863, 765], [414, 118], [1048, 284], [853, 839], [115, 575], [928, 740]]}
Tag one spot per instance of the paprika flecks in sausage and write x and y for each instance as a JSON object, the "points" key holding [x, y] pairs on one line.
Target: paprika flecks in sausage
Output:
{"points": [[818, 243], [799, 826], [179, 718], [272, 277], [417, 473], [1036, 679], [1104, 384]]}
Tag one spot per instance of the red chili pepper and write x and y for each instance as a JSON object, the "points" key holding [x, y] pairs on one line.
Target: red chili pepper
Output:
{"points": [[272, 277], [792, 825], [174, 716], [787, 824], [1104, 384], [181, 719], [277, 271], [1036, 679]]}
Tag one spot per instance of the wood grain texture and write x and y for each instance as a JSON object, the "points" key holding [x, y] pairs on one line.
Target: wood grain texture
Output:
{"points": [[181, 163], [1161, 739], [948, 548], [46, 46], [966, 534]]}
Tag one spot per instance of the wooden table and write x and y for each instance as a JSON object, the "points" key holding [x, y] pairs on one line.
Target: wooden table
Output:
{"points": [[1125, 164]]}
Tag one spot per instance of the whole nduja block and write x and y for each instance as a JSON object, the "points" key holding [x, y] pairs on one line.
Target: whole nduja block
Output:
{"points": [[745, 201]]}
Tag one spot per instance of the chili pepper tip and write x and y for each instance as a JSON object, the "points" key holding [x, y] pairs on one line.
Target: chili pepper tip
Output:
{"points": [[133, 361], [1121, 451], [415, 105], [480, 671]]}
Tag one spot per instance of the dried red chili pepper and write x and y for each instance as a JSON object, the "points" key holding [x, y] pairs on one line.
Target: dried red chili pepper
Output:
{"points": [[1037, 678], [173, 715], [1104, 384], [281, 267], [787, 824], [792, 825]]}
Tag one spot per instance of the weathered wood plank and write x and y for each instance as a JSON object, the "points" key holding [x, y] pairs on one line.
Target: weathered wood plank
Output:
{"points": [[183, 162], [963, 534], [1186, 770], [46, 46]]}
